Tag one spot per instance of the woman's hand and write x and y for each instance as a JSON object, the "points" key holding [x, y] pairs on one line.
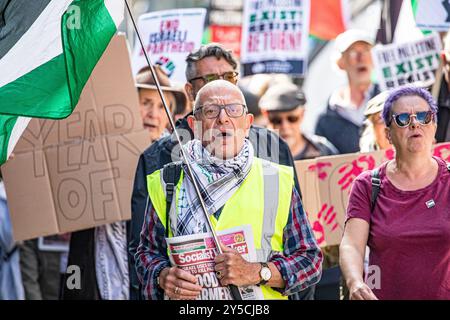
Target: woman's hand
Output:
{"points": [[361, 291], [179, 284]]}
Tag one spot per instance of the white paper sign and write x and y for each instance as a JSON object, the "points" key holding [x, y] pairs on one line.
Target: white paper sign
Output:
{"points": [[433, 15], [275, 36], [168, 37], [400, 64]]}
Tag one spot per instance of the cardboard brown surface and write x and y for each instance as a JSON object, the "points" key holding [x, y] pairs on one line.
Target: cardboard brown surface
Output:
{"points": [[326, 183], [78, 172]]}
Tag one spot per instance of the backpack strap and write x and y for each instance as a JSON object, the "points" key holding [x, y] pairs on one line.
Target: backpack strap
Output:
{"points": [[376, 184], [171, 176], [10, 253]]}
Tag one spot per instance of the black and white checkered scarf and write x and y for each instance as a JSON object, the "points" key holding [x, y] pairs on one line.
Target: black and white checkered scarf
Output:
{"points": [[217, 179]]}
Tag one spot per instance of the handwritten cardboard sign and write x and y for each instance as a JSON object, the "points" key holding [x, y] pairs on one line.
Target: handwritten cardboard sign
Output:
{"points": [[78, 173], [326, 182]]}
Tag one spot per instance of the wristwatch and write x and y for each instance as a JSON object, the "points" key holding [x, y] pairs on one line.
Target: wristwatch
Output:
{"points": [[264, 273]]}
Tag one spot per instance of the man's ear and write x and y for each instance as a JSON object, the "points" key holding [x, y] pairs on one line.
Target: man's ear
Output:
{"points": [[191, 122], [249, 121], [189, 90]]}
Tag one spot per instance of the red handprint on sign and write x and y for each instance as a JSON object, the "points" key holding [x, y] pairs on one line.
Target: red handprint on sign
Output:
{"points": [[325, 217], [389, 154], [351, 171], [443, 152], [320, 167]]}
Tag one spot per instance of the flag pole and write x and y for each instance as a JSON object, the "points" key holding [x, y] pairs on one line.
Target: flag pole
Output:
{"points": [[233, 289]]}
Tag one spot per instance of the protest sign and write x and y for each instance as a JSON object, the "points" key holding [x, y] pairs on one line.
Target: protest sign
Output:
{"points": [[228, 36], [196, 253], [433, 15], [227, 4], [410, 62], [326, 182], [78, 173], [168, 37], [275, 36]]}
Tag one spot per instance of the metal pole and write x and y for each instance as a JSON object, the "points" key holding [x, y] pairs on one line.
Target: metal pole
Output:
{"points": [[233, 289]]}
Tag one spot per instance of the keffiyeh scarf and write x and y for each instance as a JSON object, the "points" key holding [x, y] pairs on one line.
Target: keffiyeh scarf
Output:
{"points": [[217, 179]]}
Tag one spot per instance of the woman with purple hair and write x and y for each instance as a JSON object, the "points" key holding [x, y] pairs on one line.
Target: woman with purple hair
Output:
{"points": [[401, 211]]}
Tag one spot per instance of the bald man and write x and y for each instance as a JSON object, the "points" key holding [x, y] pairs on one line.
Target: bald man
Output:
{"points": [[240, 190]]}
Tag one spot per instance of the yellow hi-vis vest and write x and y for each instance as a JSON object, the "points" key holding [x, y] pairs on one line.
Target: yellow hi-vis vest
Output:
{"points": [[262, 201]]}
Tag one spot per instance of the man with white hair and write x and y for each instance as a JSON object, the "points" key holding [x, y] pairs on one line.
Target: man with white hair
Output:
{"points": [[345, 112], [443, 116], [239, 189]]}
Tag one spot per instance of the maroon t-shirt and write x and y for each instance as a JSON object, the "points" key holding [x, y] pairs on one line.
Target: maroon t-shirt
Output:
{"points": [[409, 242]]}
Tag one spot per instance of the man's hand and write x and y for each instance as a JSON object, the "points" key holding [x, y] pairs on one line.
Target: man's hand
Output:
{"points": [[179, 284], [232, 268], [361, 291]]}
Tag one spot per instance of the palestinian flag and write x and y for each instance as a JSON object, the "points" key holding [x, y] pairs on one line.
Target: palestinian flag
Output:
{"points": [[48, 49], [329, 18]]}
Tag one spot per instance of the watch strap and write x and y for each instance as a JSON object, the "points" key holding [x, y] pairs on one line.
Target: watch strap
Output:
{"points": [[263, 265]]}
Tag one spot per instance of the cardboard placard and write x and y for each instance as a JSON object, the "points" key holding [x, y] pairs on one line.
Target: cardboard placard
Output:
{"points": [[78, 172], [275, 37], [401, 64], [326, 182], [433, 15], [168, 37]]}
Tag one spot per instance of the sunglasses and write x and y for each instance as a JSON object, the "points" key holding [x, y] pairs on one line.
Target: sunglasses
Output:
{"points": [[278, 120], [403, 120], [230, 76], [212, 111]]}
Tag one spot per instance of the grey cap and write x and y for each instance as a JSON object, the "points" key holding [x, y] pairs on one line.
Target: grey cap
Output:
{"points": [[282, 97]]}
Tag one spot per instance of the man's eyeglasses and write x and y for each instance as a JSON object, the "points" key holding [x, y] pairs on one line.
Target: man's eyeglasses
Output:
{"points": [[212, 111], [279, 120], [230, 76], [403, 120]]}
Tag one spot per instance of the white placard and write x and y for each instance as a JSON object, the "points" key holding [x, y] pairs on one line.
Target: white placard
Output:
{"points": [[275, 36], [433, 15], [168, 37], [410, 62]]}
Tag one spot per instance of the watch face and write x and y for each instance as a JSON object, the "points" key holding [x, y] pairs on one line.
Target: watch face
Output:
{"points": [[266, 274]]}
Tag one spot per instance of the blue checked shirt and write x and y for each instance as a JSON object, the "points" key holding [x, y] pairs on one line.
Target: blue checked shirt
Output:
{"points": [[300, 264]]}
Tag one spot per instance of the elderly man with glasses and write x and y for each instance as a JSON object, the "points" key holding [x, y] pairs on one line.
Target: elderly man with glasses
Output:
{"points": [[207, 64], [238, 188]]}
